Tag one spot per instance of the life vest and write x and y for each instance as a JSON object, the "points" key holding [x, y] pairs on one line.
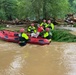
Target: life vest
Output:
{"points": [[31, 29], [23, 37], [43, 24], [51, 25], [47, 35]]}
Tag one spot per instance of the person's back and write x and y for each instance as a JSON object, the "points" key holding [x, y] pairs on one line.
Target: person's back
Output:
{"points": [[50, 25], [47, 34], [43, 23], [31, 28], [23, 38]]}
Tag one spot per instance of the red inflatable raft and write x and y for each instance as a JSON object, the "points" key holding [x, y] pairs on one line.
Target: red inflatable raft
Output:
{"points": [[12, 36]]}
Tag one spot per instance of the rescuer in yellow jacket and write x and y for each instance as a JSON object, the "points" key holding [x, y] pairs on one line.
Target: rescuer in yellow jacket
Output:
{"points": [[23, 37], [50, 25], [43, 24], [31, 29], [47, 34]]}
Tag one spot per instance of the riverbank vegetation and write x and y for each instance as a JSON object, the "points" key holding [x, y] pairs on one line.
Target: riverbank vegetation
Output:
{"points": [[35, 9], [2, 26], [63, 36], [74, 25]]}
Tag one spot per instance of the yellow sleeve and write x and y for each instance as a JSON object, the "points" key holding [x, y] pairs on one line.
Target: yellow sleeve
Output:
{"points": [[29, 28], [25, 36], [41, 24], [52, 25]]}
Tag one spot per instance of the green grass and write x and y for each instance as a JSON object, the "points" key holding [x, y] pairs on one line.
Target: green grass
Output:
{"points": [[63, 36], [74, 25], [2, 26]]}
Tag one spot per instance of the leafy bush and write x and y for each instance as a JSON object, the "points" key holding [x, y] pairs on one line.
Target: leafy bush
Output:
{"points": [[2, 15]]}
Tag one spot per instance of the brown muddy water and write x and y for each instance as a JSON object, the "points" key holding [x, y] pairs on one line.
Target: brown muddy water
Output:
{"points": [[54, 59]]}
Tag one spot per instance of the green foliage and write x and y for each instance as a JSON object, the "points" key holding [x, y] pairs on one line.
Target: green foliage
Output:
{"points": [[2, 27], [9, 8], [74, 25], [63, 36], [72, 6], [23, 9], [35, 9], [2, 15], [58, 8]]}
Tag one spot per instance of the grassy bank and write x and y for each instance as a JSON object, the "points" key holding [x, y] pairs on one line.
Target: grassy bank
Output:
{"points": [[63, 36], [74, 25], [2, 26]]}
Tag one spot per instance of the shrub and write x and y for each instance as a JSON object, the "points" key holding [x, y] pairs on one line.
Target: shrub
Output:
{"points": [[74, 25], [63, 36]]}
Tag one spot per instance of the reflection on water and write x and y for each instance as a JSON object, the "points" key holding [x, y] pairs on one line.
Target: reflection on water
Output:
{"points": [[54, 59]]}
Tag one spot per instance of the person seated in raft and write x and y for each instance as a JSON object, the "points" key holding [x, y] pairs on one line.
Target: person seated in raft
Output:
{"points": [[47, 34], [23, 38], [31, 28], [39, 30], [43, 23], [50, 25]]}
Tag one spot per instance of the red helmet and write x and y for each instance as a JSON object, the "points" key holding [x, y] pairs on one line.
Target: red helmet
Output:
{"points": [[47, 29], [32, 24], [22, 30]]}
